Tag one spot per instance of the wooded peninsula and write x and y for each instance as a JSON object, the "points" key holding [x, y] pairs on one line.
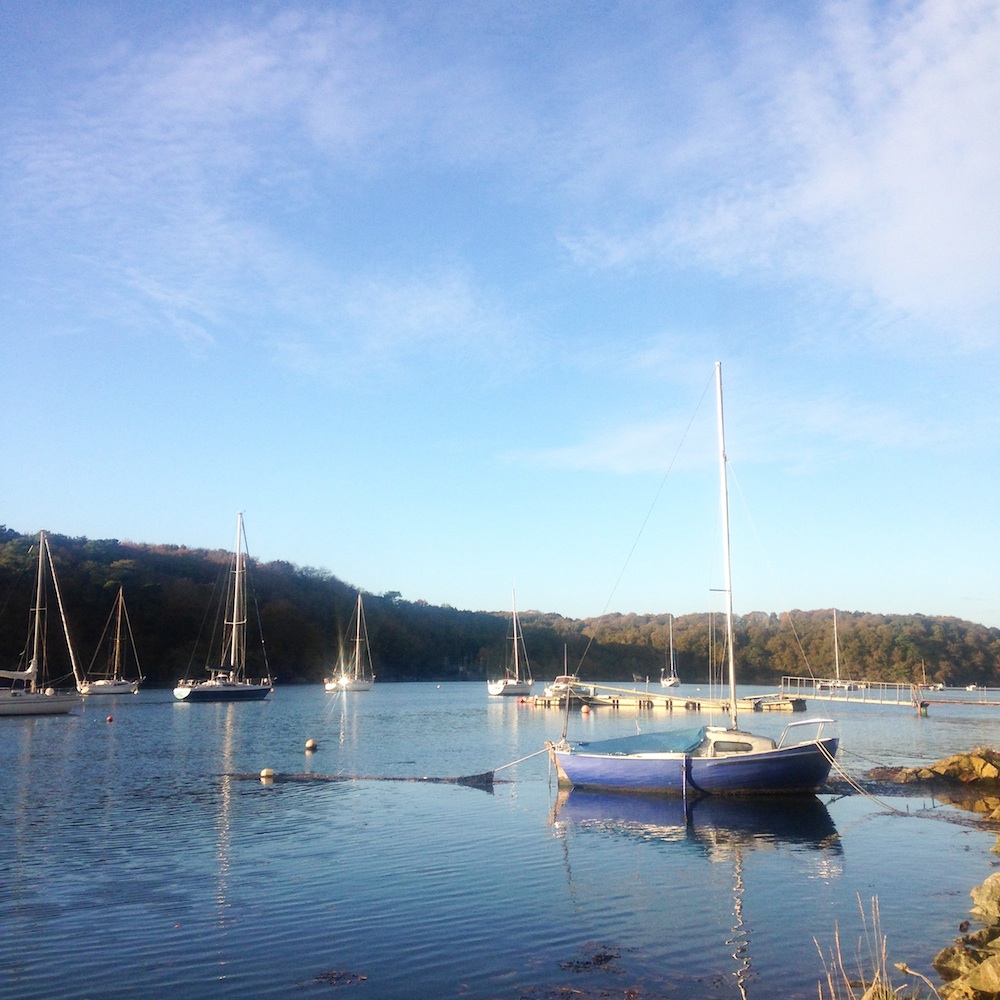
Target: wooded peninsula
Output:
{"points": [[305, 613]]}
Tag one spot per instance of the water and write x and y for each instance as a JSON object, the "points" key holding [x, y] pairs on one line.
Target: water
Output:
{"points": [[144, 857]]}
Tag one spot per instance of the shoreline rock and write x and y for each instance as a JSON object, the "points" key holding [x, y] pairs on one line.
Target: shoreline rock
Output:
{"points": [[969, 780], [970, 967]]}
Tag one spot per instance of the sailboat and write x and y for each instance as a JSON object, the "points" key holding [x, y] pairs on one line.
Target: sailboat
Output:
{"points": [[113, 680], [836, 684], [228, 681], [707, 759], [517, 680], [671, 680], [28, 693], [357, 674]]}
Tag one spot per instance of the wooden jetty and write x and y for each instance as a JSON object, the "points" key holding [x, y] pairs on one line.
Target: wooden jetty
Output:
{"points": [[883, 693], [608, 696]]}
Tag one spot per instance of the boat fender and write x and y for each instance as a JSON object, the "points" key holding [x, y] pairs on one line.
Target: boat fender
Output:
{"points": [[311, 745]]}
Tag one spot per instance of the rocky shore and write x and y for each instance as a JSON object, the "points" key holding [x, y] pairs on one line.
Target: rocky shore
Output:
{"points": [[970, 967]]}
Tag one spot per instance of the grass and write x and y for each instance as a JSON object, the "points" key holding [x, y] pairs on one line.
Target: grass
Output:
{"points": [[868, 978]]}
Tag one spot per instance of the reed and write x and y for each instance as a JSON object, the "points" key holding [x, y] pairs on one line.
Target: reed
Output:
{"points": [[866, 977]]}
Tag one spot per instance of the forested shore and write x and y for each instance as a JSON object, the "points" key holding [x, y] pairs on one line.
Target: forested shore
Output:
{"points": [[305, 614]]}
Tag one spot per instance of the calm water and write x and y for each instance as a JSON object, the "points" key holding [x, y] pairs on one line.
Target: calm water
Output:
{"points": [[144, 858]]}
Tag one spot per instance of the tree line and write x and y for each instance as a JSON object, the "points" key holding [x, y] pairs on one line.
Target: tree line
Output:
{"points": [[305, 614]]}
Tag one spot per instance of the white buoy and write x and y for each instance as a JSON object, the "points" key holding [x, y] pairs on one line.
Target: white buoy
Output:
{"points": [[267, 773], [311, 745], [585, 710]]}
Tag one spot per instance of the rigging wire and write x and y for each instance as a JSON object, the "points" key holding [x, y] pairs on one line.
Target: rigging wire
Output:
{"points": [[649, 512]]}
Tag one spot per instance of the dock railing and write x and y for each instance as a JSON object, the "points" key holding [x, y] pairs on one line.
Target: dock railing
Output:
{"points": [[864, 692]]}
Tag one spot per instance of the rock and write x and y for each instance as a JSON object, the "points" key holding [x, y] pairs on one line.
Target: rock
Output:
{"points": [[979, 765], [986, 897], [958, 990], [983, 939], [953, 962], [986, 977]]}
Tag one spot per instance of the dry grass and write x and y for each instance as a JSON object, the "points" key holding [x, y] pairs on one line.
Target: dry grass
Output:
{"points": [[869, 978]]}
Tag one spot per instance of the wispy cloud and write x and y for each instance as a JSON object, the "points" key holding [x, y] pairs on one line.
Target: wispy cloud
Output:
{"points": [[201, 175], [859, 153]]}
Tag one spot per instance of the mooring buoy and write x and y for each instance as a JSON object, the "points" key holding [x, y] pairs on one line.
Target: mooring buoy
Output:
{"points": [[311, 745]]}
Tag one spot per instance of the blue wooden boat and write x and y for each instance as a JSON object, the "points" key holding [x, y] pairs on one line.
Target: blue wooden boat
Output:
{"points": [[710, 759]]}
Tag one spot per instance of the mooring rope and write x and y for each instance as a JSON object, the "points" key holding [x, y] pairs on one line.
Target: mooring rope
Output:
{"points": [[522, 759], [855, 784]]}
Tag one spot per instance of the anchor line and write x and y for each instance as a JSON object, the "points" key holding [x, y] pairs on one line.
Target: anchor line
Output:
{"points": [[855, 784], [522, 759]]}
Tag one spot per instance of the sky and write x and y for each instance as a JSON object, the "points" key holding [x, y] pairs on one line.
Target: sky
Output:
{"points": [[433, 292]]}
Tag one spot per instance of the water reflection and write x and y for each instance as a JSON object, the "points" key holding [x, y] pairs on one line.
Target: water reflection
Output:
{"points": [[721, 831], [223, 822], [715, 823], [346, 721]]}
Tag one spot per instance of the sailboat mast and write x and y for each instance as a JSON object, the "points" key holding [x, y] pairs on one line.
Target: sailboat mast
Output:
{"points": [[36, 649], [238, 620], [116, 670], [77, 673], [517, 664], [836, 646], [673, 669], [724, 498], [357, 644]]}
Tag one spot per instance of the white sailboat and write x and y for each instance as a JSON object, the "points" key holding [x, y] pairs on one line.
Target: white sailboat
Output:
{"points": [[517, 678], [836, 683], [671, 680], [228, 681], [357, 674], [120, 642], [29, 693]]}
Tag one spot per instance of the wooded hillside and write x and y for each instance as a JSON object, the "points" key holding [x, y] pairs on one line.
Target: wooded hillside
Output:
{"points": [[305, 614]]}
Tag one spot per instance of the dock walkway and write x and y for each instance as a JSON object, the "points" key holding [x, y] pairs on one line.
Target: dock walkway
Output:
{"points": [[608, 696], [880, 693]]}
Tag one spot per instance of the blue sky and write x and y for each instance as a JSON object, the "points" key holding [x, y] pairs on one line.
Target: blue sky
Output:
{"points": [[433, 292]]}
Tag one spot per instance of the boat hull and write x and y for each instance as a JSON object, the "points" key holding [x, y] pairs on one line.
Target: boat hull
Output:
{"points": [[509, 687], [347, 684], [222, 691], [800, 768], [109, 687], [37, 702]]}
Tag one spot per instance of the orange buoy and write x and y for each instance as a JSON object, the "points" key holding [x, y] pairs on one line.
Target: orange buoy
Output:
{"points": [[585, 710]]}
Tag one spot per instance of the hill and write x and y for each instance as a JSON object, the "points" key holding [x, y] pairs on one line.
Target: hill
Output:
{"points": [[305, 614]]}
